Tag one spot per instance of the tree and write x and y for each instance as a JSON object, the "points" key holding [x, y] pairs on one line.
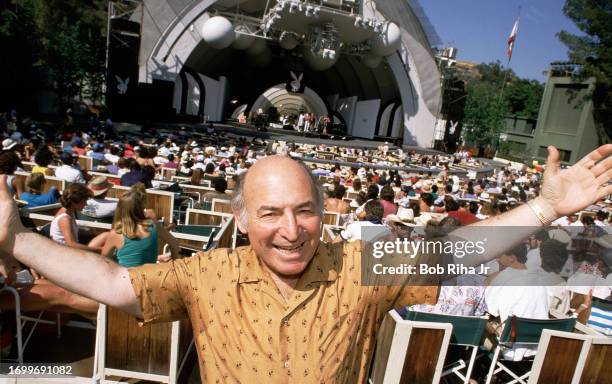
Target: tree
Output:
{"points": [[484, 115], [73, 37], [594, 52], [20, 47], [523, 97]]}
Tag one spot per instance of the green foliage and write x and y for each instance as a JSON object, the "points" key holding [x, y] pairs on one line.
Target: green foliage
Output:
{"points": [[523, 97], [487, 107], [594, 52], [484, 115], [62, 43], [20, 54]]}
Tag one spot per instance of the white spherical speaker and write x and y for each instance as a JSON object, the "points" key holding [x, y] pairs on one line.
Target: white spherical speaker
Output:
{"points": [[388, 41], [218, 32], [288, 41]]}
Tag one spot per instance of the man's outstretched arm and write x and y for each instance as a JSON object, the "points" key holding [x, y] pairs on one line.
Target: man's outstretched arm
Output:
{"points": [[82, 272], [563, 192]]}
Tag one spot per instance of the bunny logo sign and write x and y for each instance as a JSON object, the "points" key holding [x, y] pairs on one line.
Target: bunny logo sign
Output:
{"points": [[295, 84], [122, 85]]}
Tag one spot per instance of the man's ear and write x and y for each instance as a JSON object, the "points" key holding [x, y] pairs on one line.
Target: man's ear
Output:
{"points": [[239, 222]]}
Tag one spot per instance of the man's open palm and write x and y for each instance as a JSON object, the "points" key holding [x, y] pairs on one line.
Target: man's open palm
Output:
{"points": [[573, 189]]}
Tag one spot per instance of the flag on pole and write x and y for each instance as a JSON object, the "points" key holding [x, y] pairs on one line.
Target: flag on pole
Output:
{"points": [[512, 38]]}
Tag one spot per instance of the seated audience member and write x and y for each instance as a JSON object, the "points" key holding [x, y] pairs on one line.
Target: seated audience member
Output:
{"points": [[601, 218], [171, 163], [387, 196], [515, 291], [34, 195], [426, 202], [9, 161], [373, 218], [122, 167], [356, 185], [209, 172], [137, 174], [334, 202], [64, 228], [133, 238], [220, 185], [196, 176], [465, 217], [98, 206], [68, 171], [533, 252], [43, 157], [371, 194]]}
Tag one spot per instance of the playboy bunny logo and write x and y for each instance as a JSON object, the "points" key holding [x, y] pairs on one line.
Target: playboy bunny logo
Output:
{"points": [[296, 83], [122, 85]]}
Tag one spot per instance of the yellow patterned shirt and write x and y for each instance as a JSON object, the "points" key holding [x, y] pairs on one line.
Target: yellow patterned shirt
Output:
{"points": [[246, 332]]}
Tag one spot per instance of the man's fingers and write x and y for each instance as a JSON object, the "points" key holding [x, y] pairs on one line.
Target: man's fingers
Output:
{"points": [[593, 157], [602, 167], [604, 191], [604, 178], [552, 162], [4, 193]]}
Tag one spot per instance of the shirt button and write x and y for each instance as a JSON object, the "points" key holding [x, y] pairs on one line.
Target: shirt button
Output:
{"points": [[287, 364]]}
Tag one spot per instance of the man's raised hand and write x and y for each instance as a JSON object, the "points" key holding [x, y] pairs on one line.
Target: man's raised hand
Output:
{"points": [[584, 183]]}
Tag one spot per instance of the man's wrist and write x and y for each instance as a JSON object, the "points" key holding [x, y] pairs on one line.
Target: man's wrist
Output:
{"points": [[543, 210]]}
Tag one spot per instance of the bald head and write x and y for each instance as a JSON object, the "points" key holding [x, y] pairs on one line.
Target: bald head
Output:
{"points": [[273, 173]]}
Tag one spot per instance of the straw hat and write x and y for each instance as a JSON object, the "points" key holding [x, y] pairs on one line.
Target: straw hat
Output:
{"points": [[8, 144], [99, 185]]}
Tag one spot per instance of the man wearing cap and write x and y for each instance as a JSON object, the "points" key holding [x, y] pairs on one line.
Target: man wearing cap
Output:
{"points": [[68, 171], [99, 207]]}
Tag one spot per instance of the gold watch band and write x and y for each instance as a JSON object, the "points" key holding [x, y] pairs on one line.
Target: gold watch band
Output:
{"points": [[546, 218]]}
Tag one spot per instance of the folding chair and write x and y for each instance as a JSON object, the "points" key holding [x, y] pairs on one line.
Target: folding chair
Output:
{"points": [[467, 332], [525, 332], [600, 318], [560, 358], [409, 351], [119, 348], [597, 368]]}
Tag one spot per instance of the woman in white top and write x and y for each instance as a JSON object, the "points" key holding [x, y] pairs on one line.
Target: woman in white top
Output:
{"points": [[64, 228]]}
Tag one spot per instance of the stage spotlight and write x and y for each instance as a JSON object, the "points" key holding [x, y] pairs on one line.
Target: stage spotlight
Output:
{"points": [[317, 11], [309, 11], [294, 7], [358, 22]]}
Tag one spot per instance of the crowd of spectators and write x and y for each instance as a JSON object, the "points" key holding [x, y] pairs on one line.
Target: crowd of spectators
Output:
{"points": [[401, 192]]}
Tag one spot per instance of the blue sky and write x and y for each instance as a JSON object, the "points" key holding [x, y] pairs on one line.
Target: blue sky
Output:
{"points": [[480, 29]]}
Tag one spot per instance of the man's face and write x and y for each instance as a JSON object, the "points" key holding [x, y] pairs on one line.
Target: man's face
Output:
{"points": [[284, 225]]}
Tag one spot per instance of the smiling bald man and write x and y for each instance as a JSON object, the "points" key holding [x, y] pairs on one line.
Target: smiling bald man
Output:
{"points": [[287, 308]]}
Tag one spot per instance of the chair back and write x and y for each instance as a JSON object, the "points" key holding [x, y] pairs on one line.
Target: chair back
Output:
{"points": [[409, 351], [600, 318], [467, 330], [152, 352], [597, 368], [523, 330]]}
